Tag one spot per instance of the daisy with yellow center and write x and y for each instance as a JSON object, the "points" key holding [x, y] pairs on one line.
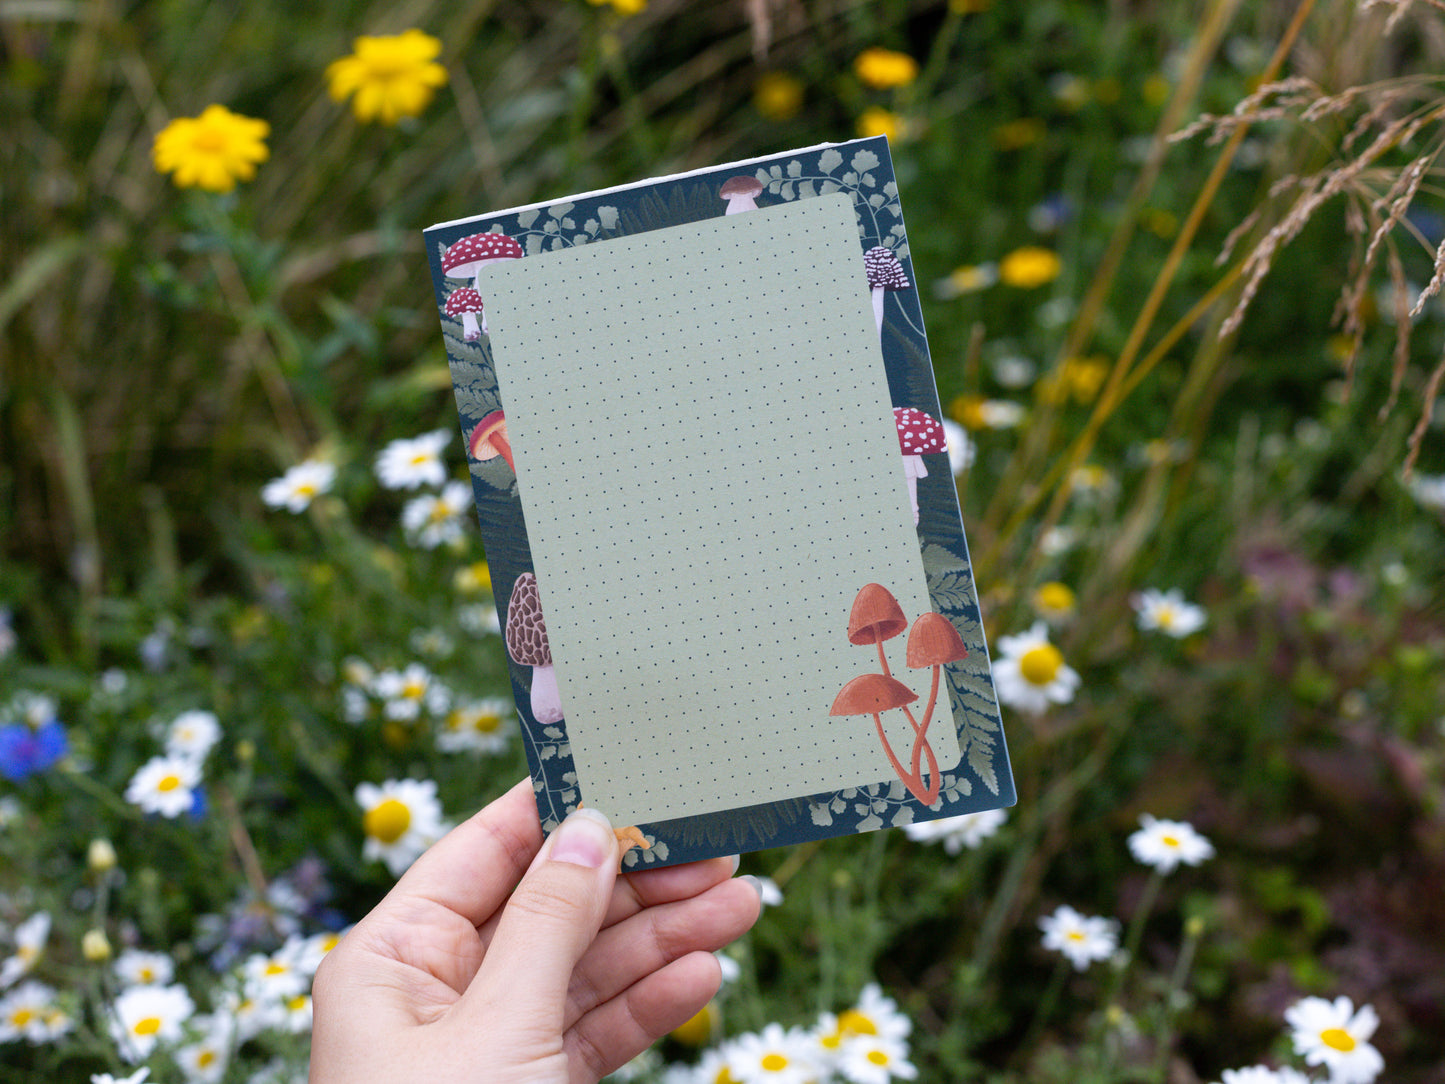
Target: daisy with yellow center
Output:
{"points": [[401, 818], [275, 976], [871, 1059], [406, 693], [478, 727], [30, 937], [299, 486], [967, 279], [432, 521], [1169, 613], [1081, 938], [1030, 673], [1165, 844], [29, 1012], [473, 579], [413, 461], [1333, 1034], [146, 1015], [205, 1061], [165, 785], [212, 151], [388, 77], [1055, 601], [774, 1056], [955, 833], [885, 69], [136, 967]]}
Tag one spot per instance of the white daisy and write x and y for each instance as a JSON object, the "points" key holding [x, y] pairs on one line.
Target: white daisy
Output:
{"points": [[1263, 1074], [275, 976], [409, 463], [250, 1016], [955, 833], [875, 1016], [481, 726], [30, 1012], [773, 1056], [961, 449], [480, 619], [1055, 602], [10, 811], [1335, 1035], [204, 1061], [432, 521], [30, 937], [165, 785], [295, 490], [145, 1015], [404, 693], [140, 1076], [1030, 673], [1167, 612], [870, 1059], [768, 891], [1164, 844], [298, 1014], [310, 951], [1083, 939], [401, 818], [193, 734], [135, 967]]}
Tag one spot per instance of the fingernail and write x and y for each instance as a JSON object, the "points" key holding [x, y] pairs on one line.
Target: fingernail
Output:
{"points": [[737, 861], [757, 885], [584, 839]]}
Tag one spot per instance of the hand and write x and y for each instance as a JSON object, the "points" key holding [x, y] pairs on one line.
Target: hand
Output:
{"points": [[448, 979]]}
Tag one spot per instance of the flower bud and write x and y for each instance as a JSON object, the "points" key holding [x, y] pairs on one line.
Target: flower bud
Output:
{"points": [[101, 857], [95, 946]]}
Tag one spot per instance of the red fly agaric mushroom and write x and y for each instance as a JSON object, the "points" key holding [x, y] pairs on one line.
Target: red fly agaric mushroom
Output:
{"points": [[884, 273], [527, 645], [489, 439], [466, 303], [741, 194], [465, 258], [919, 434]]}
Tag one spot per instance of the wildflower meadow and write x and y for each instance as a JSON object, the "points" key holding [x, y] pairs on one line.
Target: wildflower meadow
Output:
{"points": [[1181, 268]]}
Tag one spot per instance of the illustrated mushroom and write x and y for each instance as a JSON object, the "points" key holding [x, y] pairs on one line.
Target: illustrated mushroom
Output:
{"points": [[526, 636], [465, 259], [466, 303], [919, 434], [741, 194], [489, 439], [933, 641], [875, 617], [873, 694], [884, 273]]}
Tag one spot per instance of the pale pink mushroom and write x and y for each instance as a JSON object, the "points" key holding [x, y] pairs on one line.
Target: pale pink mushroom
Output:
{"points": [[919, 434], [741, 193]]}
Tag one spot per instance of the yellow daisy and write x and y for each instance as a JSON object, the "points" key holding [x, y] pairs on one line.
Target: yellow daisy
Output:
{"points": [[212, 151], [388, 77]]}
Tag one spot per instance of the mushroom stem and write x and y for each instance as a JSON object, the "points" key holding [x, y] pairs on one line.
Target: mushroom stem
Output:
{"points": [[504, 448], [469, 326], [911, 782], [929, 794], [882, 658], [913, 469], [546, 700], [877, 292]]}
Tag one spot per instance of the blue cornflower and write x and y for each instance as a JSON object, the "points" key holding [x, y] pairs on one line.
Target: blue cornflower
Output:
{"points": [[25, 750]]}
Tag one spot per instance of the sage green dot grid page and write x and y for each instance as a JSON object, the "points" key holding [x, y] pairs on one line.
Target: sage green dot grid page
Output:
{"points": [[709, 471]]}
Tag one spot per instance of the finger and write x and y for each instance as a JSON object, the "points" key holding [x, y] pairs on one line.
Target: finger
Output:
{"points": [[617, 1031], [648, 942], [474, 867], [544, 930], [647, 888]]}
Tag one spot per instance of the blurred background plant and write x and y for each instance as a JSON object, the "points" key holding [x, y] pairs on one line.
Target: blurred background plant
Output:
{"points": [[1189, 357]]}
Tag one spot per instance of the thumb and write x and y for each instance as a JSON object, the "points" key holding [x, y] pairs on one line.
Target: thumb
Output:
{"points": [[545, 928]]}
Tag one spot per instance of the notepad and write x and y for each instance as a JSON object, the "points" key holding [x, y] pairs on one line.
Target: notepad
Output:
{"points": [[703, 431]]}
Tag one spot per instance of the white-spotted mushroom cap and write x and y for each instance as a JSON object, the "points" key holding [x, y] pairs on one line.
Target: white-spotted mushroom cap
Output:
{"points": [[462, 259], [884, 270], [526, 633], [919, 433], [466, 303]]}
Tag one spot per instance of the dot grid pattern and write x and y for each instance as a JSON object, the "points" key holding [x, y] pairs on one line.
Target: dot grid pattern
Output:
{"points": [[709, 471]]}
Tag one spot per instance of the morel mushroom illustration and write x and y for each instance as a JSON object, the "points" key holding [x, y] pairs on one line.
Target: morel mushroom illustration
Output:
{"points": [[465, 258], [885, 273], [466, 303], [919, 434], [489, 440], [741, 194], [933, 641], [527, 645]]}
